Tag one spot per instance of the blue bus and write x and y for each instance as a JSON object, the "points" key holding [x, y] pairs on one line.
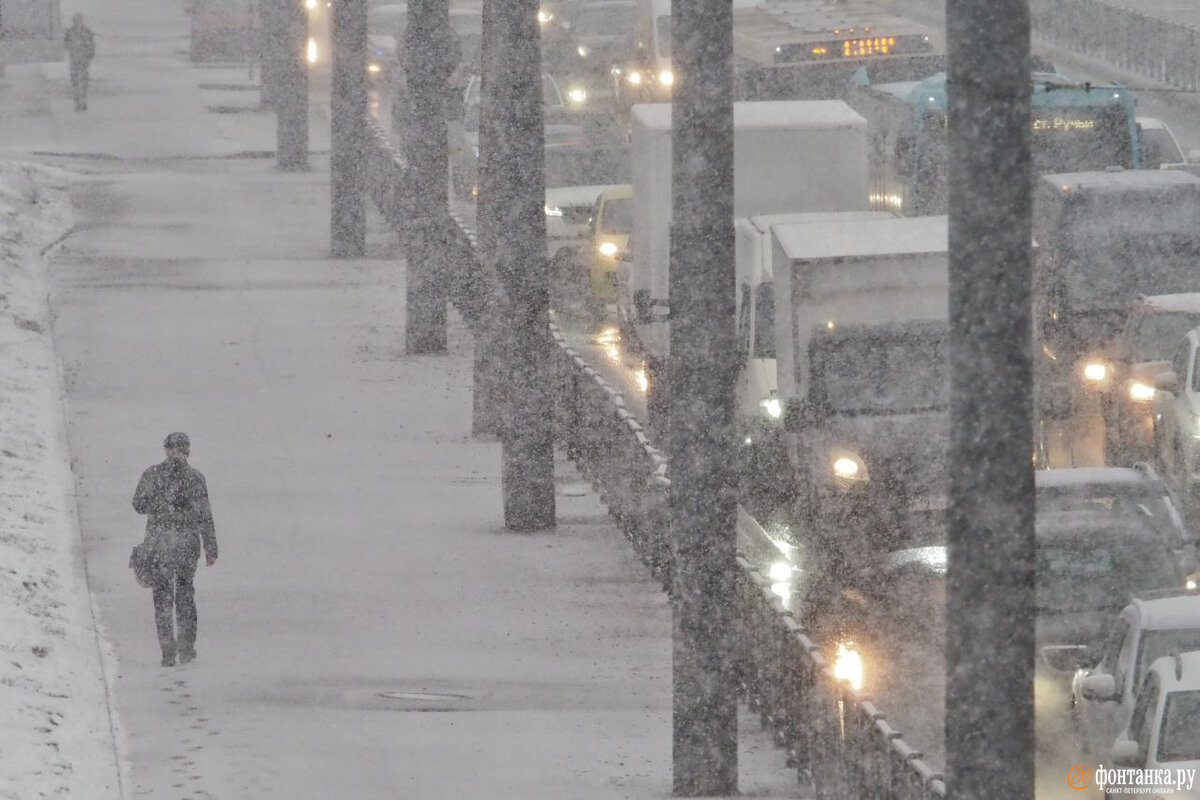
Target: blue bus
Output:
{"points": [[1076, 127]]}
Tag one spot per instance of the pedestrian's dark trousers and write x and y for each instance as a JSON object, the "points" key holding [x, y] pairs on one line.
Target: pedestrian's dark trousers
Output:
{"points": [[175, 609], [79, 83]]}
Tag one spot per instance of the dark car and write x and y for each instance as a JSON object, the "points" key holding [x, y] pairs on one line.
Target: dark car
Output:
{"points": [[1089, 564], [1127, 497]]}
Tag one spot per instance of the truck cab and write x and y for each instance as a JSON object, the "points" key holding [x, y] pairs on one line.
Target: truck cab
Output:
{"points": [[1103, 239], [762, 463], [862, 333]]}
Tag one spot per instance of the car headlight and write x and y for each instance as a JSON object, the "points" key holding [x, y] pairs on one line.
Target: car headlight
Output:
{"points": [[577, 95], [552, 211], [374, 68], [608, 249], [583, 51], [781, 571], [634, 77], [848, 466], [666, 77], [848, 665], [1095, 372], [772, 407], [1140, 392], [544, 16]]}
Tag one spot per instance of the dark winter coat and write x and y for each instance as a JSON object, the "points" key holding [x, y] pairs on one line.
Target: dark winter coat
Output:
{"points": [[174, 496], [80, 44]]}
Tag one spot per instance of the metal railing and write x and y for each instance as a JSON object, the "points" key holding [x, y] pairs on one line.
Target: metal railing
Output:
{"points": [[841, 745]]}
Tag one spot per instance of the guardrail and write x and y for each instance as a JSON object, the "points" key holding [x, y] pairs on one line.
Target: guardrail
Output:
{"points": [[1127, 38], [840, 743]]}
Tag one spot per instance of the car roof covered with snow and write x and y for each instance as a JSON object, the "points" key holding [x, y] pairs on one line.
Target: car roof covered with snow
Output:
{"points": [[1185, 302], [1177, 610]]}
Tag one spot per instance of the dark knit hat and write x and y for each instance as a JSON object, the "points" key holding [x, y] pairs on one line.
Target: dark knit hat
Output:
{"points": [[177, 441]]}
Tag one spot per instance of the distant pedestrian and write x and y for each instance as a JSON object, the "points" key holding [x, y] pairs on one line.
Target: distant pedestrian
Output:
{"points": [[174, 495], [81, 49]]}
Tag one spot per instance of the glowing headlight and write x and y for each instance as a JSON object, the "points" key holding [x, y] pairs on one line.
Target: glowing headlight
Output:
{"points": [[311, 5], [1140, 392], [374, 68], [634, 78], [771, 407], [311, 51], [849, 467], [666, 77], [577, 95], [552, 211], [544, 16], [583, 51], [608, 249], [1095, 372], [781, 571], [848, 665]]}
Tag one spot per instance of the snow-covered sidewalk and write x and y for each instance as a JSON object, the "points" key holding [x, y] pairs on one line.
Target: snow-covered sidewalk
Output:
{"points": [[55, 734]]}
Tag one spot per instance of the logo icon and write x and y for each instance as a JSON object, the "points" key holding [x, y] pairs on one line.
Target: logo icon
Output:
{"points": [[1079, 777]]}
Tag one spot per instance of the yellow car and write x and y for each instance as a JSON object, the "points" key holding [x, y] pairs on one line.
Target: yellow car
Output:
{"points": [[612, 219]]}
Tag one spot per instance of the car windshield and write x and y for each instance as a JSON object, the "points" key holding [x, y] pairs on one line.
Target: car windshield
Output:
{"points": [[881, 369], [1179, 738], [1158, 139], [1152, 336], [1159, 244], [618, 216], [1156, 644], [1137, 502], [1096, 571]]}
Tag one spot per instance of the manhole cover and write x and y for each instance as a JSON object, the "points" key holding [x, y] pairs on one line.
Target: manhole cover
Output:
{"points": [[423, 697]]}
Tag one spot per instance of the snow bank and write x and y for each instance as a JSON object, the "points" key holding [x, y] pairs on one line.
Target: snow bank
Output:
{"points": [[56, 732]]}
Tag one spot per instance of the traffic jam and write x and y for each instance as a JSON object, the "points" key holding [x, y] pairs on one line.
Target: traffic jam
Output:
{"points": [[842, 387]]}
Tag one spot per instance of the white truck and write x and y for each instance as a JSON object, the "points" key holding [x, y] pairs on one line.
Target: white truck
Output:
{"points": [[861, 333], [789, 156], [762, 456]]}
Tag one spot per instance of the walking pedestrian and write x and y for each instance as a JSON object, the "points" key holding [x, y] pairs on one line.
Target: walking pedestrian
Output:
{"points": [[174, 496], [81, 49]]}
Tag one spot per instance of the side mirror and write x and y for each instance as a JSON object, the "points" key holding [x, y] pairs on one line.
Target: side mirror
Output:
{"points": [[1125, 753], [1166, 382], [1100, 687]]}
